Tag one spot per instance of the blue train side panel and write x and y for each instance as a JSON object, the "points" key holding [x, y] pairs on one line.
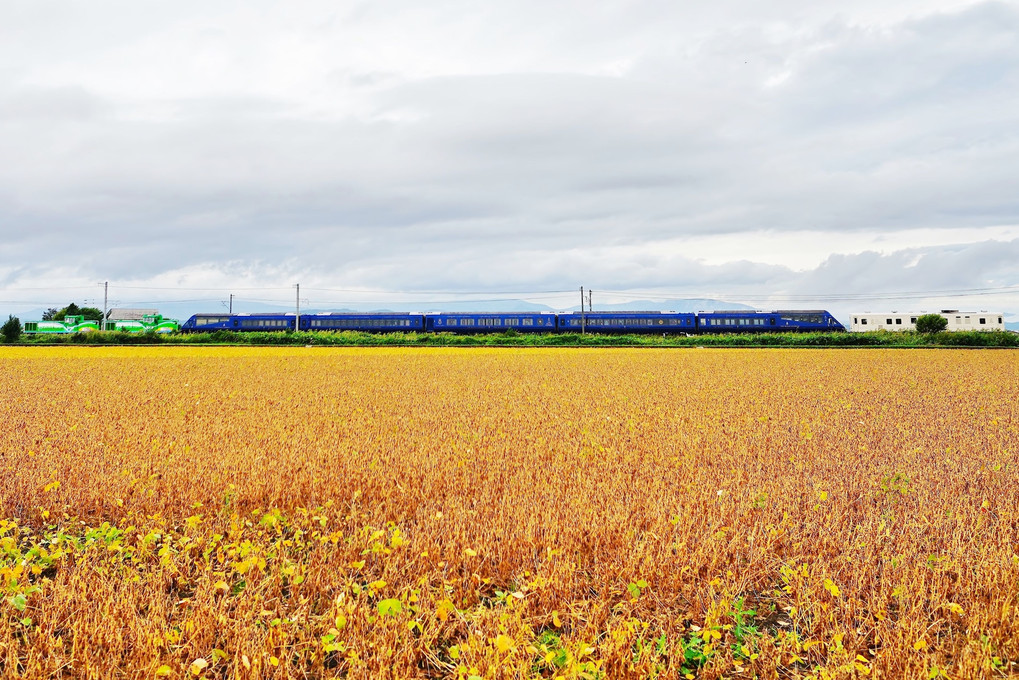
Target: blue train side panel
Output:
{"points": [[738, 321], [628, 322], [490, 322], [780, 321], [203, 323], [369, 322]]}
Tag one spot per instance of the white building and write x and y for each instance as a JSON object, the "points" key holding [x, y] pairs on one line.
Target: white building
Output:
{"points": [[957, 321]]}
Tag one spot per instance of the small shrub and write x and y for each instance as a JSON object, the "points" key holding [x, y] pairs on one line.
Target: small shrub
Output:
{"points": [[931, 323]]}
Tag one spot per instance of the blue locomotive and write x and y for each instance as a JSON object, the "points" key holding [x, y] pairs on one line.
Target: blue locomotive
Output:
{"points": [[739, 321]]}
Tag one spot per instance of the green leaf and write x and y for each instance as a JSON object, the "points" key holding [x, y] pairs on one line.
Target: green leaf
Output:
{"points": [[390, 607], [19, 601]]}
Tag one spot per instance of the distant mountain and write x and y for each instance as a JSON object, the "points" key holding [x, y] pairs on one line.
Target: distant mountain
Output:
{"points": [[1014, 326], [184, 310], [684, 305]]}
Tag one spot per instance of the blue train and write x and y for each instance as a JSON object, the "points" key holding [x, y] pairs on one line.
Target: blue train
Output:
{"points": [[740, 321]]}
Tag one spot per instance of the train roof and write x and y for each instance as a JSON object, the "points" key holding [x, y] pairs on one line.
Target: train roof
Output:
{"points": [[245, 314], [483, 313], [921, 312], [628, 311], [360, 313]]}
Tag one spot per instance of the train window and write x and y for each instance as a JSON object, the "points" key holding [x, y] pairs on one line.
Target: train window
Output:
{"points": [[999, 319], [527, 322], [888, 322], [983, 321], [864, 322], [898, 322], [912, 319]]}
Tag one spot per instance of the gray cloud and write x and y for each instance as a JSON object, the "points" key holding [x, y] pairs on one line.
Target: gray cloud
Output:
{"points": [[400, 145]]}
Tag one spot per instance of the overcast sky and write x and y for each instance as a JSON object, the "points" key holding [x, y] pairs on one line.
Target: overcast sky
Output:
{"points": [[735, 148]]}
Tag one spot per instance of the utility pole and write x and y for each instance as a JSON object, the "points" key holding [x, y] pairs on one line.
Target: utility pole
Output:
{"points": [[106, 290], [583, 326], [231, 304], [297, 319], [589, 307]]}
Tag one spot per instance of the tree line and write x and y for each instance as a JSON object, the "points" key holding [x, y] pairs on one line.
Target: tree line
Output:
{"points": [[12, 328]]}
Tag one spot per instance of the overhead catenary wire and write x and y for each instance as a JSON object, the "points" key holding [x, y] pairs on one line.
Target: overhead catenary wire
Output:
{"points": [[488, 297]]}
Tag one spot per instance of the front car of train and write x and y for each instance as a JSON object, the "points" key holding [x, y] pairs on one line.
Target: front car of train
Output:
{"points": [[779, 321]]}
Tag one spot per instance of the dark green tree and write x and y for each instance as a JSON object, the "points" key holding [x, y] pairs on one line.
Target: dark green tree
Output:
{"points": [[70, 310], [90, 313], [49, 314], [931, 323], [11, 330]]}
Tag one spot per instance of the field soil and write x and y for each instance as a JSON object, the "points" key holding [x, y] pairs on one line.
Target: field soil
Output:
{"points": [[213, 512]]}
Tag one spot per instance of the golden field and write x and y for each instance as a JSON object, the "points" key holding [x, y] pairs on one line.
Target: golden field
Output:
{"points": [[533, 513]]}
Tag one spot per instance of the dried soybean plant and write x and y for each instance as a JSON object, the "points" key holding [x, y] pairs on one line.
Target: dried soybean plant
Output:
{"points": [[541, 513]]}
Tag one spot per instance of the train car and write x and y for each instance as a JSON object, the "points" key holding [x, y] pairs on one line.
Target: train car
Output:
{"points": [[149, 323], [957, 321], [490, 322], [69, 324], [370, 323], [628, 322], [780, 321], [204, 323]]}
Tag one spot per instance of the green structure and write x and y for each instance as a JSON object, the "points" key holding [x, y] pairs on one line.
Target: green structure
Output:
{"points": [[69, 324], [150, 323]]}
